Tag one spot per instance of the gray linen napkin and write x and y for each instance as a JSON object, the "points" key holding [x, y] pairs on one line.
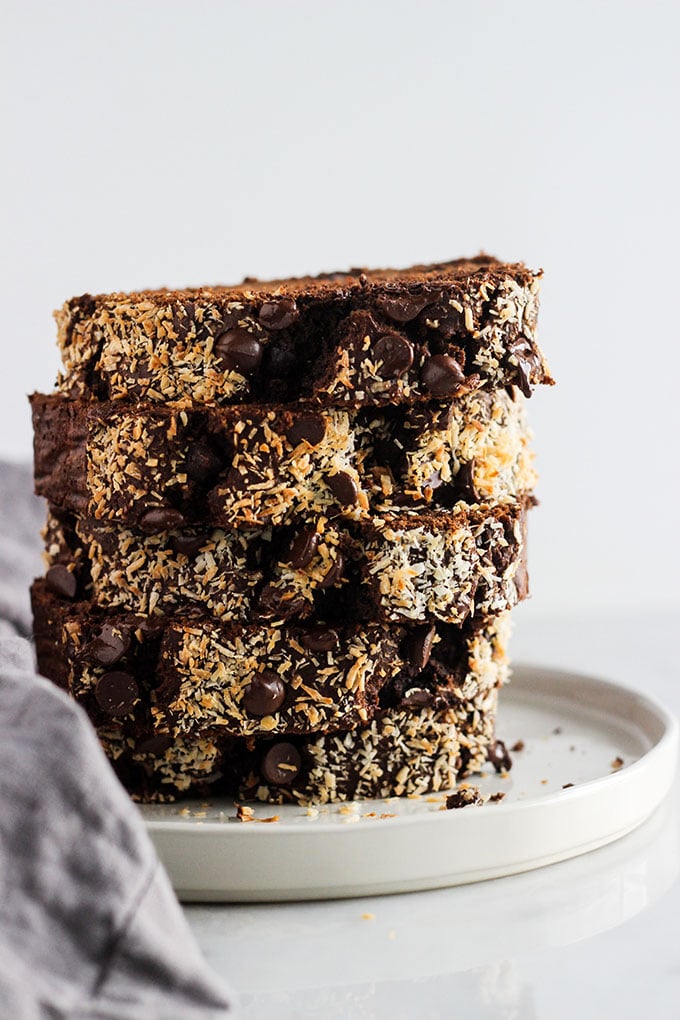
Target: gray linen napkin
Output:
{"points": [[89, 925]]}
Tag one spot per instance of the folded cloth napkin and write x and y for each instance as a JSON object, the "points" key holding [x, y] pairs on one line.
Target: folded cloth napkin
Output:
{"points": [[89, 925], [22, 515]]}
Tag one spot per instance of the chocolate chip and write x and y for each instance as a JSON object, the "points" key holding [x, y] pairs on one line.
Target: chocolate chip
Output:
{"points": [[419, 647], [278, 314], [335, 573], [302, 548], [202, 462], [404, 307], [308, 428], [449, 321], [160, 518], [395, 354], [499, 757], [109, 646], [265, 693], [188, 545], [442, 375], [464, 482], [344, 488], [116, 693], [278, 602], [62, 581], [527, 361], [239, 351], [321, 639], [281, 764], [156, 744]]}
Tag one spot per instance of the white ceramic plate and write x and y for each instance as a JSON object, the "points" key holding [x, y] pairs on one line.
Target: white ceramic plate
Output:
{"points": [[575, 729]]}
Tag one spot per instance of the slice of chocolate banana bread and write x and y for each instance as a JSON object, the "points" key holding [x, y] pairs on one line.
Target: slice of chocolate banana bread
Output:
{"points": [[190, 675], [402, 752], [365, 337], [400, 566], [156, 468], [288, 525]]}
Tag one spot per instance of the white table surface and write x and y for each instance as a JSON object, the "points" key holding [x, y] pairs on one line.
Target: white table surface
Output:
{"points": [[592, 938]]}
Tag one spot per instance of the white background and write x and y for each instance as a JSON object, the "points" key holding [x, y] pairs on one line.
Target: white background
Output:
{"points": [[187, 142]]}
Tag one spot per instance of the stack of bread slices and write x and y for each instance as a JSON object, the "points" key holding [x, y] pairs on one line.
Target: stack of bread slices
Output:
{"points": [[287, 527]]}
